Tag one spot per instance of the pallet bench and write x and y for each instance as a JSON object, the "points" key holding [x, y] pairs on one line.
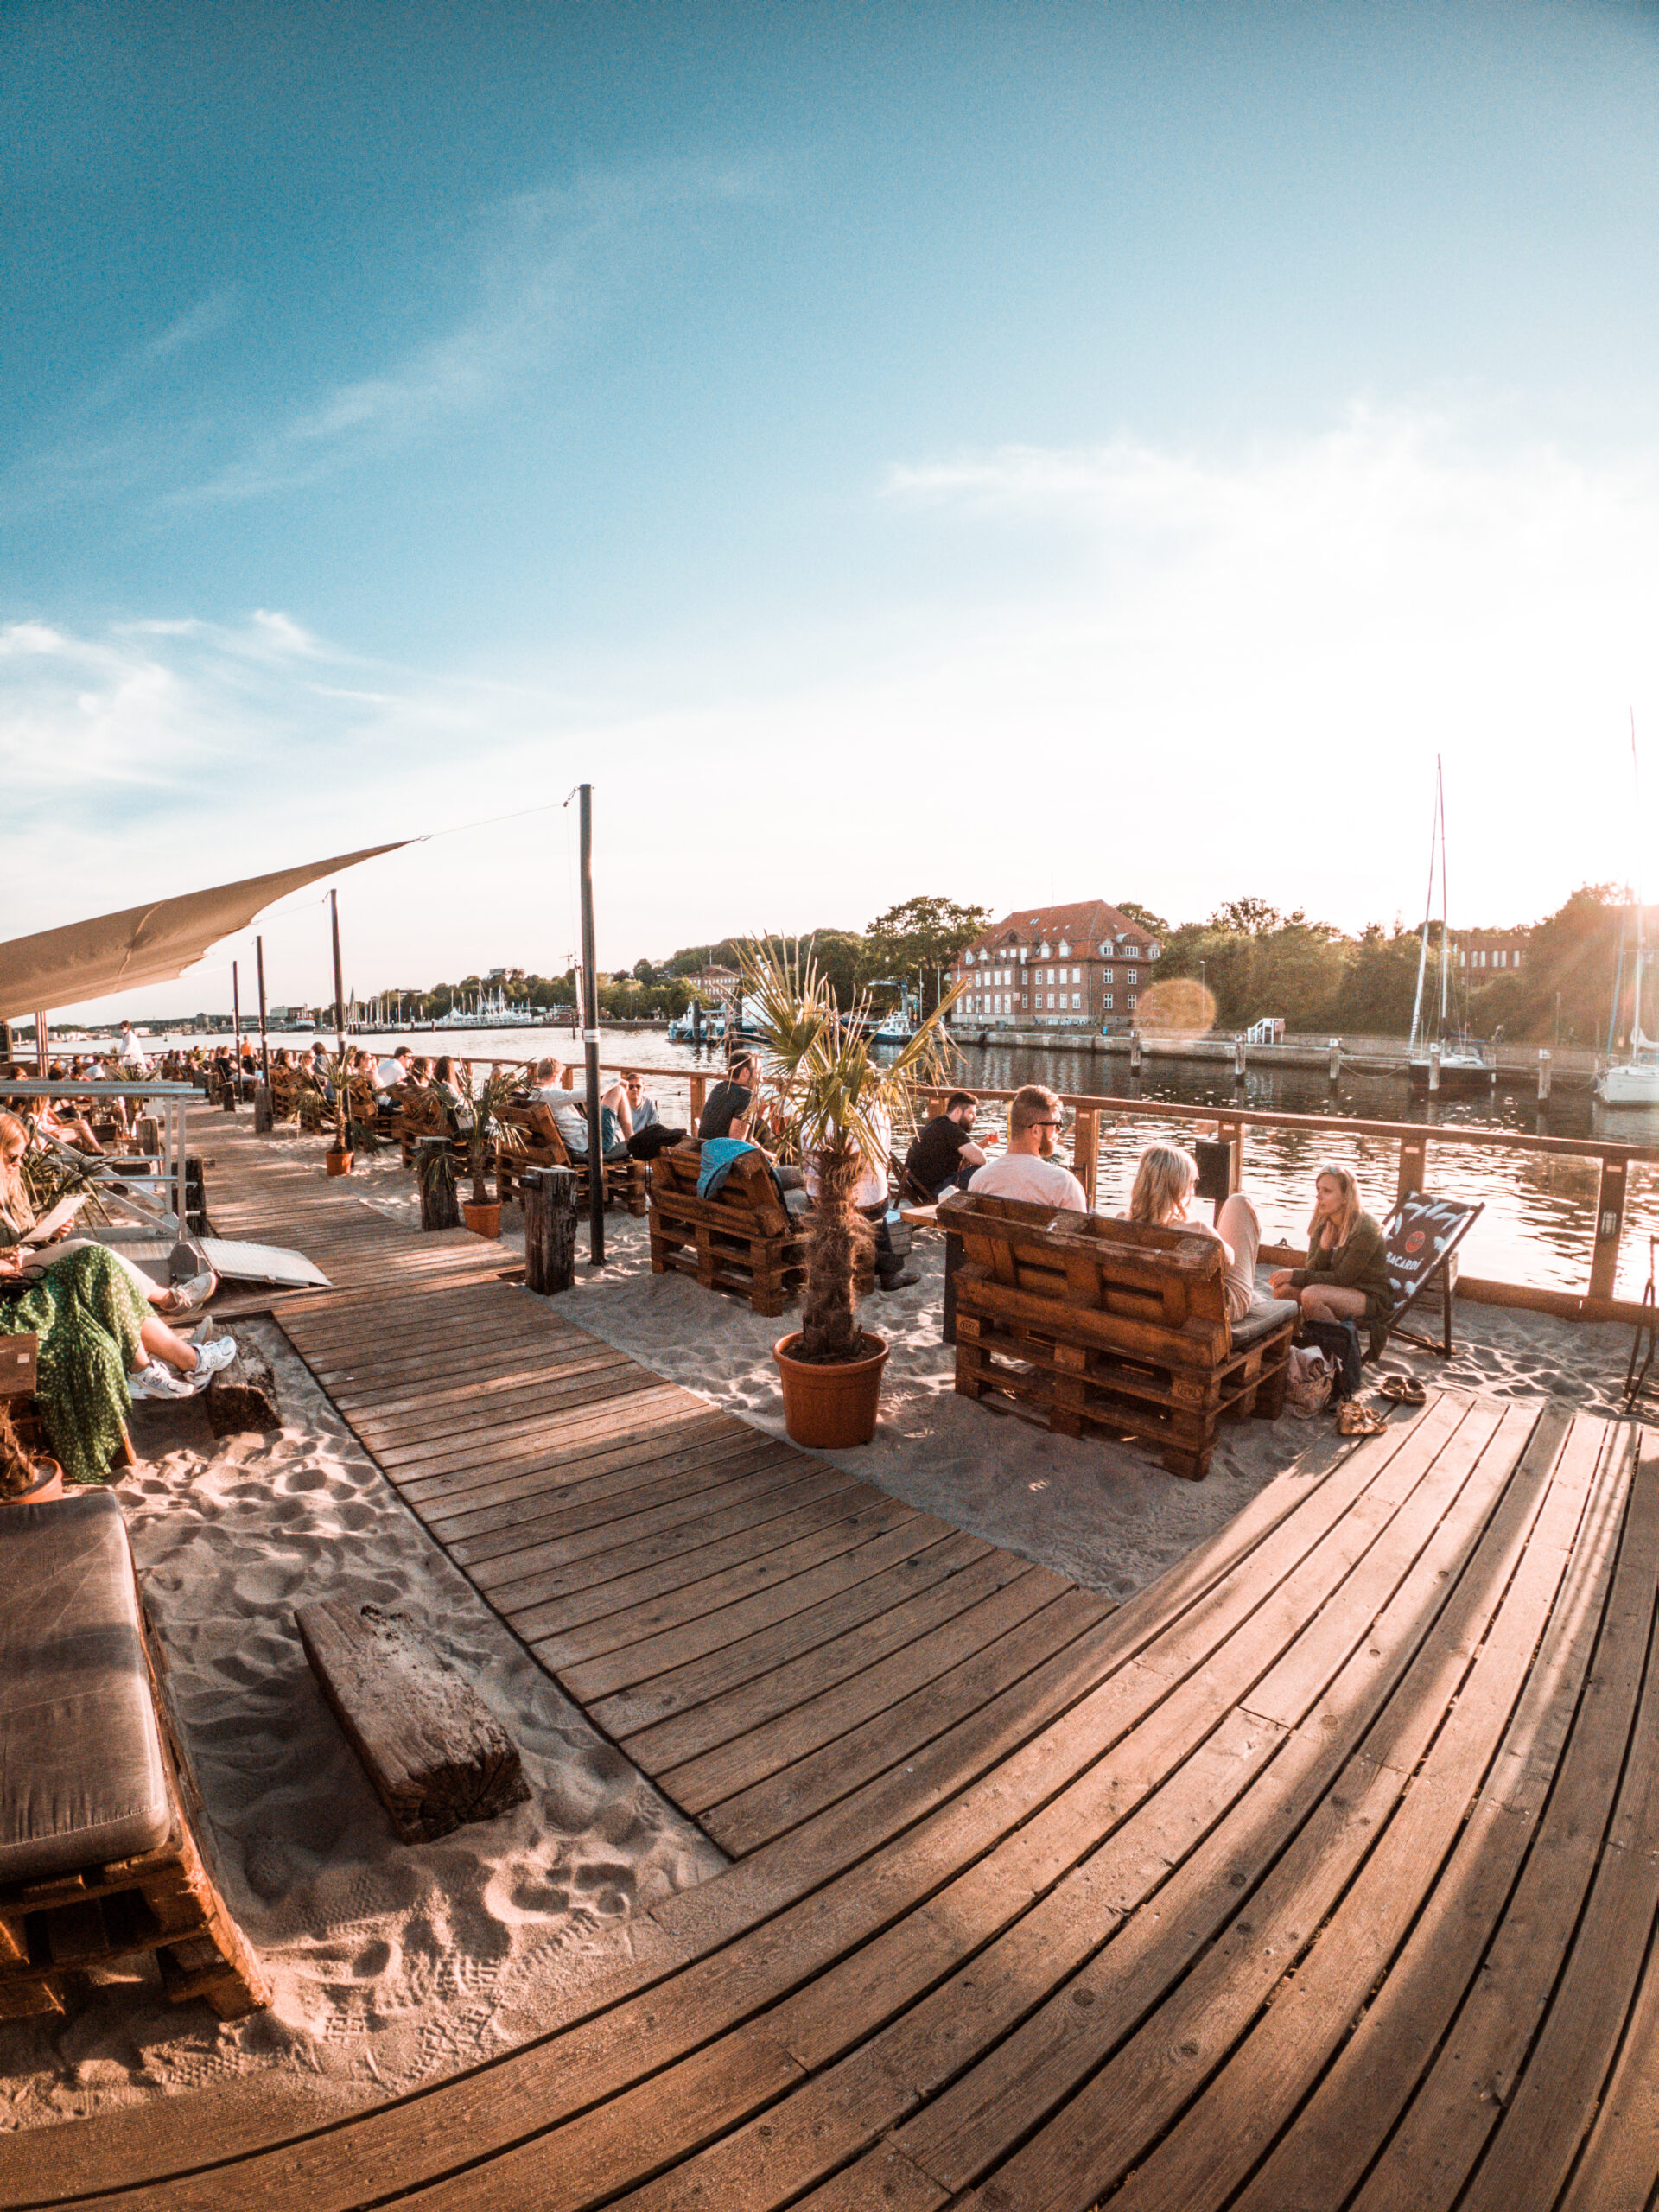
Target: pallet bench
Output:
{"points": [[743, 1241], [535, 1141], [100, 1860], [1111, 1326]]}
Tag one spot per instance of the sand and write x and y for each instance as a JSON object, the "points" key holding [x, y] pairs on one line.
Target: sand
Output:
{"points": [[392, 1964], [389, 1963]]}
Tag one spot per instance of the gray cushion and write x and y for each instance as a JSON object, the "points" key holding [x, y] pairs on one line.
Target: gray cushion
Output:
{"points": [[82, 1777], [1261, 1321]]}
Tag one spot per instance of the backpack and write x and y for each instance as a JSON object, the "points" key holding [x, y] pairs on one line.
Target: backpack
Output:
{"points": [[1339, 1342]]}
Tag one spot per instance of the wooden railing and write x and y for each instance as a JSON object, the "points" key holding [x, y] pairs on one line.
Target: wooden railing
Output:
{"points": [[1597, 1302]]}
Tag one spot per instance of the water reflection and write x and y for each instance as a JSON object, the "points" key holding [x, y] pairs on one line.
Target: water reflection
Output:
{"points": [[1538, 1225]]}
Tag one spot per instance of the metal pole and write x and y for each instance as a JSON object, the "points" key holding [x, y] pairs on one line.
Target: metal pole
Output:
{"points": [[340, 987], [590, 1039], [264, 1042], [40, 1047], [236, 1024]]}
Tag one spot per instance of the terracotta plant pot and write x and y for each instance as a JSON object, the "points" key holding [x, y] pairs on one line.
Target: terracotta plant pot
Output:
{"points": [[337, 1163], [483, 1220], [832, 1407], [48, 1483]]}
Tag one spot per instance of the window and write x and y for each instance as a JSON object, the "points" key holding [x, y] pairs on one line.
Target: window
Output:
{"points": [[1503, 960], [1065, 950], [1152, 952], [1106, 977], [1130, 975], [1107, 1001], [1051, 1001], [1131, 1001], [1076, 1001], [1519, 957]]}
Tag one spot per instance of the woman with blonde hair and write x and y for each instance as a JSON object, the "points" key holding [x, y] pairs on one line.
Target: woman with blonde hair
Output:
{"points": [[1346, 1278], [1164, 1179]]}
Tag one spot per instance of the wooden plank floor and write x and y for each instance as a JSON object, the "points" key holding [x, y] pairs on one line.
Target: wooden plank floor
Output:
{"points": [[1324, 1873]]}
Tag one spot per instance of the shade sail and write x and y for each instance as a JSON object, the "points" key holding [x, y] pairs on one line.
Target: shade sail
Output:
{"points": [[145, 945]]}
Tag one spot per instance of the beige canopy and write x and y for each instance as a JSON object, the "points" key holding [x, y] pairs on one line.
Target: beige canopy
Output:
{"points": [[145, 945]]}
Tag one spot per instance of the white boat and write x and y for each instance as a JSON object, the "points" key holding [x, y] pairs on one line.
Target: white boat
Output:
{"points": [[685, 1029], [1453, 1063], [1634, 1082]]}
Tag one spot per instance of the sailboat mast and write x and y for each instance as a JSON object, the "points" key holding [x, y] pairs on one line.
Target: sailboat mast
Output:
{"points": [[1439, 778], [1428, 906], [1637, 1034]]}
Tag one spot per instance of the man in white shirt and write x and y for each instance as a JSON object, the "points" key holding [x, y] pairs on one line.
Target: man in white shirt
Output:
{"points": [[1028, 1168], [129, 1051]]}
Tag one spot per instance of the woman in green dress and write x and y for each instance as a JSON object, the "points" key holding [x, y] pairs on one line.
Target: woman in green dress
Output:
{"points": [[96, 1327]]}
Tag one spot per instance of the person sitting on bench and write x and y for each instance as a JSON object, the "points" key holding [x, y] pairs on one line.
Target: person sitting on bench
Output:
{"points": [[728, 1107], [1165, 1179], [1346, 1278], [1028, 1168], [943, 1150], [647, 1134], [570, 1114]]}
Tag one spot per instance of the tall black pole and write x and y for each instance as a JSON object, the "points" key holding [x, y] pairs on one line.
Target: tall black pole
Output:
{"points": [[590, 1040], [236, 1026], [265, 1047], [340, 987]]}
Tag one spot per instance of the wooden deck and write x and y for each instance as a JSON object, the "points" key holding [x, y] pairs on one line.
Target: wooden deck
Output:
{"points": [[1324, 1873]]}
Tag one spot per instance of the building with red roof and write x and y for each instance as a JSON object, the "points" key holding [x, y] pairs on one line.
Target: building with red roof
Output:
{"points": [[1072, 967]]}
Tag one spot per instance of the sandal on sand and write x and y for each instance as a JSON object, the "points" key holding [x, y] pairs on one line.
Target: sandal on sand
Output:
{"points": [[1355, 1419], [1402, 1390]]}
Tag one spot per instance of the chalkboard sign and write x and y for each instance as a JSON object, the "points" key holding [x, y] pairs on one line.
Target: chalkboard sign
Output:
{"points": [[1421, 1232]]}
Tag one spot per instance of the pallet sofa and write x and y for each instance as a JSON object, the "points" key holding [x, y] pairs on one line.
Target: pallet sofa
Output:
{"points": [[534, 1141], [1111, 1326], [743, 1241], [99, 1819]]}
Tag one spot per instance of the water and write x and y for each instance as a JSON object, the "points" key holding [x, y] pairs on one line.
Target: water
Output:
{"points": [[1538, 1225]]}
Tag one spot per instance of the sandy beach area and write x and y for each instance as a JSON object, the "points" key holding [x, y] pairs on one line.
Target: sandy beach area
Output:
{"points": [[392, 1964], [389, 1963]]}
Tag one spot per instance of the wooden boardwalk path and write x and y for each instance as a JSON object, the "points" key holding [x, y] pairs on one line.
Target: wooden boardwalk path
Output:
{"points": [[1324, 1873]]}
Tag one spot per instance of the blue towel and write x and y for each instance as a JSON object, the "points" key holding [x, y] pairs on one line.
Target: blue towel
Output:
{"points": [[719, 1156]]}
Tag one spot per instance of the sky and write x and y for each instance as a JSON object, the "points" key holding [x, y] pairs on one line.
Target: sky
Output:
{"points": [[1011, 452]]}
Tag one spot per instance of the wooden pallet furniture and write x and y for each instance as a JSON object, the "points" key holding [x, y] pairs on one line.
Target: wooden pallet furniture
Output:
{"points": [[743, 1241], [1109, 1326], [533, 1141], [1315, 1876], [100, 1859]]}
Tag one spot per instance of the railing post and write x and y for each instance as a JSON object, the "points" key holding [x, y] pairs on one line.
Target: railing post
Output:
{"points": [[1609, 1229], [1230, 1132], [1085, 1150], [699, 1100], [1543, 1077], [1413, 1166]]}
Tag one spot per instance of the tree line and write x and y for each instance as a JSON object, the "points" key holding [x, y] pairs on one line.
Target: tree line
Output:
{"points": [[1252, 960]]}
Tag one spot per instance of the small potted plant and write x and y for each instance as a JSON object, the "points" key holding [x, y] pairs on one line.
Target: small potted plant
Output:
{"points": [[337, 1071], [841, 1102], [480, 1130]]}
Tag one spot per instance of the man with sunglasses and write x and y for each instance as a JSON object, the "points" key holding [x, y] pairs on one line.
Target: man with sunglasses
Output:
{"points": [[1028, 1168]]}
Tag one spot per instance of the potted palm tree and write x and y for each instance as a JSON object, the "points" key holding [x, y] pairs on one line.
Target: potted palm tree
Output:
{"points": [[337, 1071], [482, 1099], [840, 1102]]}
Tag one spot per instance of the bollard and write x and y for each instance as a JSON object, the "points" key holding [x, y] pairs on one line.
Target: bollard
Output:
{"points": [[1134, 1054], [264, 1113], [1543, 1077], [435, 1171], [1433, 1067], [1238, 1060], [1333, 1065], [549, 1228]]}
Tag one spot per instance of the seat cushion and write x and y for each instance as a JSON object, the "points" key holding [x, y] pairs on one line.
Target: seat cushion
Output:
{"points": [[1261, 1321], [81, 1776]]}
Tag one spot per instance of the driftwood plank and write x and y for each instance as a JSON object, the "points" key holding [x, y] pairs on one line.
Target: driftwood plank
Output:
{"points": [[436, 1753]]}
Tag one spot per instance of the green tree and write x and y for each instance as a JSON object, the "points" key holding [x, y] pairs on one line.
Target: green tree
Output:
{"points": [[923, 936]]}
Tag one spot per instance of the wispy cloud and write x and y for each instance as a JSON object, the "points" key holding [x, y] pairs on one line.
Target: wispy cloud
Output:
{"points": [[204, 320], [542, 264]]}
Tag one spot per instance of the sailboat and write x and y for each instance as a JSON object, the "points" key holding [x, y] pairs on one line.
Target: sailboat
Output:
{"points": [[1633, 1081], [1464, 1063]]}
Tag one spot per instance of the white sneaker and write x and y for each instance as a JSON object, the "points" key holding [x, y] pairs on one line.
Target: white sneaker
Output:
{"points": [[158, 1380], [210, 1359]]}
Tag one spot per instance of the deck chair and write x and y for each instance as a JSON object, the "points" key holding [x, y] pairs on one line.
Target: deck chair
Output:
{"points": [[1422, 1235]]}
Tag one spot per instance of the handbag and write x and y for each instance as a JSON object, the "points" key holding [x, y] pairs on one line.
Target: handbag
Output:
{"points": [[1339, 1342]]}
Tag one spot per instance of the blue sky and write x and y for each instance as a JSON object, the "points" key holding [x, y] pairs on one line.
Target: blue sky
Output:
{"points": [[1014, 451]]}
